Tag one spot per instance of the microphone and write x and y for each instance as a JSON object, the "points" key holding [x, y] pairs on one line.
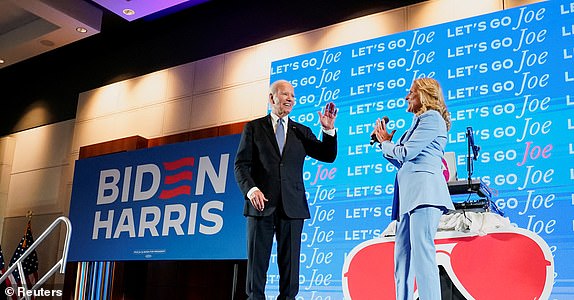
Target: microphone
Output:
{"points": [[373, 136], [475, 148]]}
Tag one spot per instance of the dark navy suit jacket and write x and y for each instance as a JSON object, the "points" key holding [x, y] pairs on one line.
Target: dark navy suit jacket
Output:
{"points": [[280, 177]]}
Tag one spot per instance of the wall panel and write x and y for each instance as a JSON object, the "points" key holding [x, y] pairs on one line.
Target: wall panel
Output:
{"points": [[177, 116], [180, 81], [208, 74]]}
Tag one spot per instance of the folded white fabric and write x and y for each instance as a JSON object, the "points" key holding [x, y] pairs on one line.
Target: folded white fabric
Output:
{"points": [[479, 223]]}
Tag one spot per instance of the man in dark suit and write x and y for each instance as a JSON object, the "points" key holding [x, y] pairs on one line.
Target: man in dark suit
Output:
{"points": [[269, 172]]}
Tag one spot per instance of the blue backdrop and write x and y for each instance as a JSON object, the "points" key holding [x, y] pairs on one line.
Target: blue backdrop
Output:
{"points": [[509, 75]]}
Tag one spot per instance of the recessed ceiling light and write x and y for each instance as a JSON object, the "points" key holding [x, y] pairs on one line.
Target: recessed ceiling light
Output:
{"points": [[81, 29], [1, 61], [128, 12]]}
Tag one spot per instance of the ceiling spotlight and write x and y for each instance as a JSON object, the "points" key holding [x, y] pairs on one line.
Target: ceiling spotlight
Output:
{"points": [[128, 12], [1, 61], [81, 29]]}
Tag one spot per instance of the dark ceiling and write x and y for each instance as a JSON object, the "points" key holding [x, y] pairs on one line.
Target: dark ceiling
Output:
{"points": [[125, 49]]}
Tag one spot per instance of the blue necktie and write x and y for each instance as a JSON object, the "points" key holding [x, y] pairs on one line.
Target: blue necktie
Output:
{"points": [[280, 135]]}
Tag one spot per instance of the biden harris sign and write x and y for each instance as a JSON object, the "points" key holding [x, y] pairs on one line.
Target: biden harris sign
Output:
{"points": [[178, 201]]}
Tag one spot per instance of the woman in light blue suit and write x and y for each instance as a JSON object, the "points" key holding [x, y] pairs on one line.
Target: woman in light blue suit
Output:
{"points": [[421, 192]]}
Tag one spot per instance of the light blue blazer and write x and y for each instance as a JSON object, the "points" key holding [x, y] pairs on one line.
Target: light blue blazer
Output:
{"points": [[418, 156]]}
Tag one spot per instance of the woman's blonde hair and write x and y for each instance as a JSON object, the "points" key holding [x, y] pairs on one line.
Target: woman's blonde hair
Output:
{"points": [[431, 97]]}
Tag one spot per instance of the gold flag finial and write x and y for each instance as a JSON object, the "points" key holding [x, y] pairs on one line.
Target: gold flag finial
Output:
{"points": [[29, 216]]}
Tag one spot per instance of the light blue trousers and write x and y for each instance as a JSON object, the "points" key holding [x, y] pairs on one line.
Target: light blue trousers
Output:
{"points": [[415, 254]]}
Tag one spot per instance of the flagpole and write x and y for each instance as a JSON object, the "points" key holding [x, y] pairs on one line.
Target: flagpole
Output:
{"points": [[29, 225]]}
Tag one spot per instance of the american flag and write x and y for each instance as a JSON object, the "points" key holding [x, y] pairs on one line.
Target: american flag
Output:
{"points": [[29, 264], [10, 281], [2, 264], [2, 270]]}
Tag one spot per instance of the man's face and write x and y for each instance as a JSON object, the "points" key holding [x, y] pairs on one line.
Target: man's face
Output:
{"points": [[282, 100]]}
